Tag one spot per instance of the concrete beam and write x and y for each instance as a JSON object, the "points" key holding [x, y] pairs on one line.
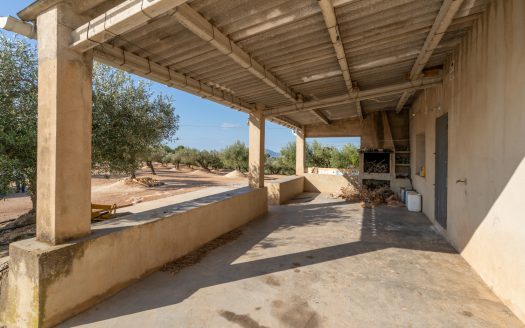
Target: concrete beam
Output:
{"points": [[257, 153], [64, 132], [144, 67], [330, 20], [320, 115], [423, 83], [201, 27], [121, 19], [359, 110], [446, 14], [17, 26], [285, 122]]}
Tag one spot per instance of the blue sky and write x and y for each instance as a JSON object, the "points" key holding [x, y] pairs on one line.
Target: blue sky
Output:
{"points": [[205, 124]]}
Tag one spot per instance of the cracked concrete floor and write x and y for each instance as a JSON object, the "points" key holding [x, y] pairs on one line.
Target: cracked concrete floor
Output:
{"points": [[316, 262]]}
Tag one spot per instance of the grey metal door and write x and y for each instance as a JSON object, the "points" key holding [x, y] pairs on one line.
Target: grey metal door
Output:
{"points": [[441, 170]]}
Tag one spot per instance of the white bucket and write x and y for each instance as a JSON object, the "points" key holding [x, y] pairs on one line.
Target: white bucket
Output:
{"points": [[413, 201]]}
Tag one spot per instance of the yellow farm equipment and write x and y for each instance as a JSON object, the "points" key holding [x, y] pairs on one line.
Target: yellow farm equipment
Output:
{"points": [[101, 212]]}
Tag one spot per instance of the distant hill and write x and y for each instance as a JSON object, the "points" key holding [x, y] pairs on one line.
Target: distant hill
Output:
{"points": [[272, 153]]}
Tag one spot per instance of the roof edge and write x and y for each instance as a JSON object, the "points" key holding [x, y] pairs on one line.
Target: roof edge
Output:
{"points": [[30, 12]]}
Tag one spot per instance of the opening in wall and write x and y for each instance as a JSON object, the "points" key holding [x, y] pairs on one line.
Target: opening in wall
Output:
{"points": [[420, 155]]}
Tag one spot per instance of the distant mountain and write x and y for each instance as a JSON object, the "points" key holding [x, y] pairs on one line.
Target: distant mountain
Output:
{"points": [[272, 153]]}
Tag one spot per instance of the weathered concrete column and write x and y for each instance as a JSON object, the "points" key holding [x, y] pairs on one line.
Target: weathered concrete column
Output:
{"points": [[300, 146], [257, 152], [64, 130]]}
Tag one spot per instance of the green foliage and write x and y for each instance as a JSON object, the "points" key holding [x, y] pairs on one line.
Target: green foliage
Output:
{"points": [[284, 164], [317, 155], [235, 156], [18, 114], [208, 159], [347, 157], [157, 153], [188, 156], [128, 120]]}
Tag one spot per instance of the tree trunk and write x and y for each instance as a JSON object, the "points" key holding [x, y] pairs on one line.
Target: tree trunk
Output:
{"points": [[150, 165], [178, 165], [33, 200], [133, 176]]}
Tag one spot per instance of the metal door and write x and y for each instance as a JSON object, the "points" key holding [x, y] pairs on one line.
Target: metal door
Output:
{"points": [[441, 170]]}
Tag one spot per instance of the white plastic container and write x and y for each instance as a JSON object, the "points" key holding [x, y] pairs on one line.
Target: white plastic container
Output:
{"points": [[413, 201], [405, 192]]}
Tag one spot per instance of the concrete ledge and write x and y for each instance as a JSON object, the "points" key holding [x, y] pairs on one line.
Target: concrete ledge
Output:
{"points": [[324, 183], [284, 189], [48, 284]]}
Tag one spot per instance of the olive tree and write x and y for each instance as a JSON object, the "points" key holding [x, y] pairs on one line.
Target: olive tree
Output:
{"points": [[235, 156], [127, 120], [18, 115]]}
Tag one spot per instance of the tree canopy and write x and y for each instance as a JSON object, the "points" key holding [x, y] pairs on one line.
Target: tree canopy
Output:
{"points": [[128, 120], [18, 114], [317, 155], [235, 156]]}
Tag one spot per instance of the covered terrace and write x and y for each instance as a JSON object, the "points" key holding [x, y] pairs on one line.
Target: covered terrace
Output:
{"points": [[434, 86]]}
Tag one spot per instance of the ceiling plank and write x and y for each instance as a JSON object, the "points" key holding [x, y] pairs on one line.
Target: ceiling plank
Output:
{"points": [[201, 27], [446, 14]]}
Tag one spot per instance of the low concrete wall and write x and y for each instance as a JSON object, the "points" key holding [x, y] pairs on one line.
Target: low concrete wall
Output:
{"points": [[284, 189], [48, 284], [325, 183]]}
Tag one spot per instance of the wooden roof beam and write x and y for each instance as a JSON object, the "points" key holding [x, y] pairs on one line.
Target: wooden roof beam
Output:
{"points": [[446, 14], [201, 27]]}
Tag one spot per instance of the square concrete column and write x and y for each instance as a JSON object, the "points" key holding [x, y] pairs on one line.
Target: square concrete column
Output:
{"points": [[257, 153], [64, 130], [300, 146]]}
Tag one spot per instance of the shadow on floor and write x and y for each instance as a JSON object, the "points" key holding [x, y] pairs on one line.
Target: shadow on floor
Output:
{"points": [[380, 228]]}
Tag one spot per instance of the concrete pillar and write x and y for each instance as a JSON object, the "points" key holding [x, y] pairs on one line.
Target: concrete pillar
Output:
{"points": [[257, 153], [64, 130], [300, 146]]}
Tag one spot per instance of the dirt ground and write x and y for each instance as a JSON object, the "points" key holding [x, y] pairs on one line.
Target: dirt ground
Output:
{"points": [[116, 190], [120, 191]]}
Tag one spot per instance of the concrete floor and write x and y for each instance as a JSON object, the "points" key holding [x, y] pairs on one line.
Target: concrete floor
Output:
{"points": [[317, 262]]}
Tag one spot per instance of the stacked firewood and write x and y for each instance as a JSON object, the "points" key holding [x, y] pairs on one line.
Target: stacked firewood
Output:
{"points": [[376, 167], [369, 196]]}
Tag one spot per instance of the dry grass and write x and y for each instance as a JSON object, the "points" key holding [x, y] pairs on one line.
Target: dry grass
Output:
{"points": [[146, 181], [197, 255]]}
